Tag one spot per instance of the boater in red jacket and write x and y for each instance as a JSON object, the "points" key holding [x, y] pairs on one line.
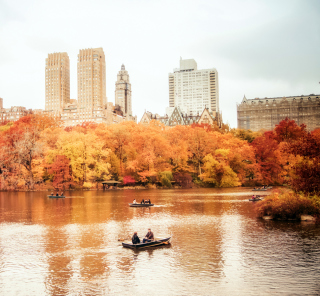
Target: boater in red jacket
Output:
{"points": [[149, 237]]}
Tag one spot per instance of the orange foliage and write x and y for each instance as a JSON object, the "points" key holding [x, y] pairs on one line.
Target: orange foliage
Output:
{"points": [[38, 145]]}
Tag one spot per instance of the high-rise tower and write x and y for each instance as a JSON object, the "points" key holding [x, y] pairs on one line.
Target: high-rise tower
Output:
{"points": [[123, 91], [91, 80], [193, 90], [57, 81]]}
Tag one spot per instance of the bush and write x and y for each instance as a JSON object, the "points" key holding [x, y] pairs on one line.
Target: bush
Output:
{"points": [[166, 178], [288, 205]]}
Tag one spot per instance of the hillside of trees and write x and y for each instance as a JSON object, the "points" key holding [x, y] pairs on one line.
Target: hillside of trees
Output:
{"points": [[37, 153]]}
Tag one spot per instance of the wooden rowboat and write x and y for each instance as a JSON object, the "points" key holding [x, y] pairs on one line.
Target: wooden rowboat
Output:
{"points": [[54, 196], [139, 205], [255, 199], [264, 189], [156, 242]]}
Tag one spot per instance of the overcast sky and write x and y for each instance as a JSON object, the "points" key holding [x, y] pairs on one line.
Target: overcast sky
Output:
{"points": [[259, 48]]}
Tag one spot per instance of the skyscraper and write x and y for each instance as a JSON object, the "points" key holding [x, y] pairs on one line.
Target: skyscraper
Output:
{"points": [[91, 82], [123, 91], [192, 90], [57, 82]]}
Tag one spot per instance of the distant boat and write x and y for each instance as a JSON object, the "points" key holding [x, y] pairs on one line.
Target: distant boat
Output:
{"points": [[140, 205], [156, 242], [54, 196], [255, 199], [258, 189]]}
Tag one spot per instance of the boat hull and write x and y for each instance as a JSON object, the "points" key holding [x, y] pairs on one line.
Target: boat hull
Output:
{"points": [[255, 199], [54, 196], [158, 242], [140, 205], [259, 189]]}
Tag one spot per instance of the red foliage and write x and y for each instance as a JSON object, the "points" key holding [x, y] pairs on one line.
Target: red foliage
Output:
{"points": [[128, 180], [308, 171], [288, 130], [61, 170], [267, 157], [183, 179]]}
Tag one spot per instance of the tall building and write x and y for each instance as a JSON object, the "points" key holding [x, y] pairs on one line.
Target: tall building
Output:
{"points": [[57, 82], [257, 114], [91, 79], [193, 90], [123, 92]]}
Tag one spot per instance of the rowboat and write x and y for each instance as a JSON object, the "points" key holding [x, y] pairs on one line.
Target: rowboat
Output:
{"points": [[54, 196], [255, 199], [139, 205], [263, 189], [156, 242]]}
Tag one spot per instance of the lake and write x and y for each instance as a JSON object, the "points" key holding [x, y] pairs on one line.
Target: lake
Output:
{"points": [[219, 247]]}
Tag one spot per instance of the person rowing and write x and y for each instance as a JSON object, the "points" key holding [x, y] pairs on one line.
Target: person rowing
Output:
{"points": [[149, 236], [134, 201], [135, 238], [142, 202]]}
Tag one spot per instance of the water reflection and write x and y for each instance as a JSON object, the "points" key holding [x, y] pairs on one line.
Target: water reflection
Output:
{"points": [[70, 246]]}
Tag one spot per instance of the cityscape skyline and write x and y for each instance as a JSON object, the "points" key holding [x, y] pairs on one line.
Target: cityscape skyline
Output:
{"points": [[260, 48]]}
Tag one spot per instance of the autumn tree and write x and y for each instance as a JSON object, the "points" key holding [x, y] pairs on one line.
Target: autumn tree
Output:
{"points": [[60, 169], [288, 130]]}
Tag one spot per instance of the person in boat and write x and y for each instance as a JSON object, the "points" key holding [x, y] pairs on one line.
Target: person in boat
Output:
{"points": [[149, 236], [134, 201], [142, 201], [135, 238], [149, 201], [57, 194], [61, 194], [52, 194]]}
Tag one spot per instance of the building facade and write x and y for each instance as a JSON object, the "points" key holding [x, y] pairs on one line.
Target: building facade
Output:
{"points": [[193, 90], [257, 114], [57, 77], [13, 113], [177, 117], [91, 105], [123, 92]]}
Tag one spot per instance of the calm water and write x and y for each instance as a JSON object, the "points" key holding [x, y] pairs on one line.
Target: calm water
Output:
{"points": [[70, 246]]}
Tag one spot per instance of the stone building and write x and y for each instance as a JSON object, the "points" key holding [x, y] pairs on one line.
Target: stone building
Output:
{"points": [[193, 90], [123, 92], [179, 118], [256, 114]]}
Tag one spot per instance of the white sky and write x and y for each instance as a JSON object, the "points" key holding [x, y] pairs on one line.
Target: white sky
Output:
{"points": [[260, 48]]}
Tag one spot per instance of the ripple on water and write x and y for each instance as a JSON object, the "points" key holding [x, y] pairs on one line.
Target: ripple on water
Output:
{"points": [[71, 247]]}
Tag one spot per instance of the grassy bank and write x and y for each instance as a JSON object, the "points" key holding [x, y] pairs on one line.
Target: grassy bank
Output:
{"points": [[287, 205]]}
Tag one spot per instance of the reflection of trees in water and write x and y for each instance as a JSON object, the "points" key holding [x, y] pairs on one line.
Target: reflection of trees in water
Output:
{"points": [[59, 267]]}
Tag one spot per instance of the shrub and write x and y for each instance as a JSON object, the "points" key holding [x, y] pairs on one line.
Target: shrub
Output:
{"points": [[128, 180], [288, 205], [166, 178], [183, 179]]}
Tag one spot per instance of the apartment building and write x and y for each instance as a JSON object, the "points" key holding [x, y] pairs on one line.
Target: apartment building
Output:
{"points": [[193, 90], [57, 78]]}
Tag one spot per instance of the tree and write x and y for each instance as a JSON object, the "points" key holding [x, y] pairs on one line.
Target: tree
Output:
{"points": [[217, 172], [288, 130], [307, 171], [60, 169], [268, 156]]}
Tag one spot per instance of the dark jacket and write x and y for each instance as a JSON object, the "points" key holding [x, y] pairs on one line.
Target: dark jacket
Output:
{"points": [[135, 239], [149, 235]]}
